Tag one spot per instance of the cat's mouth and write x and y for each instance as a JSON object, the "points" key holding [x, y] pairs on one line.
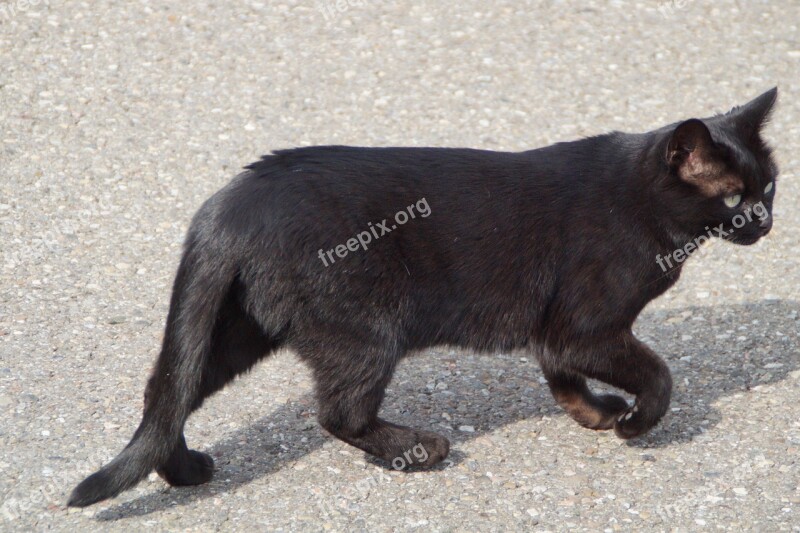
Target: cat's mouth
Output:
{"points": [[747, 234], [747, 239]]}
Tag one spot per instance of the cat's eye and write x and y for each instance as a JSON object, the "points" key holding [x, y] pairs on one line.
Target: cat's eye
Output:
{"points": [[768, 188], [733, 200]]}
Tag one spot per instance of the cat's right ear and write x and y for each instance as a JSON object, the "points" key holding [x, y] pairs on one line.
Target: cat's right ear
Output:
{"points": [[750, 117], [690, 150]]}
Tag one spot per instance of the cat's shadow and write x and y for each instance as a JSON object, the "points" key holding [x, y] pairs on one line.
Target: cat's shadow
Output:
{"points": [[713, 352]]}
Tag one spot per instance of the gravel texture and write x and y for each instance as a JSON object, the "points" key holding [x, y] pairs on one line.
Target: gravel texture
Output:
{"points": [[120, 118]]}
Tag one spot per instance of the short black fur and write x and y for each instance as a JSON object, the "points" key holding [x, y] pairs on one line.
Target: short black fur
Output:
{"points": [[553, 251]]}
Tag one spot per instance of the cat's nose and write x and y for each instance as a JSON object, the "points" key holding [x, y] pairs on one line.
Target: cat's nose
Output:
{"points": [[766, 224]]}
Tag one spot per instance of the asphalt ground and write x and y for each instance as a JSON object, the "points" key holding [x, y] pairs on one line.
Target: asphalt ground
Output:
{"points": [[120, 118]]}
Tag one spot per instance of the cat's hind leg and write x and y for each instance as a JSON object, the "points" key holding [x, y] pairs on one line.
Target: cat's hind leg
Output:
{"points": [[351, 378], [593, 411]]}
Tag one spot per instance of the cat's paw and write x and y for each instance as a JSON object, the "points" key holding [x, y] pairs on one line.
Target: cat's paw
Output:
{"points": [[429, 449], [608, 408], [193, 468], [631, 423]]}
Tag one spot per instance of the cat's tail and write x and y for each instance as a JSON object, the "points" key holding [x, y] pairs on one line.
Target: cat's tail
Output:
{"points": [[201, 285]]}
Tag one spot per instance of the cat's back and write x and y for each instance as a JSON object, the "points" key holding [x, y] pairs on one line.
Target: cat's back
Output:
{"points": [[379, 165], [344, 181]]}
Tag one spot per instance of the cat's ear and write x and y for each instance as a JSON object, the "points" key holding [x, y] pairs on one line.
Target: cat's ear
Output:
{"points": [[690, 150], [751, 117]]}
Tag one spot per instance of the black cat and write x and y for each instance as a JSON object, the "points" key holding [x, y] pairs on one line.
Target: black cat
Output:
{"points": [[355, 257]]}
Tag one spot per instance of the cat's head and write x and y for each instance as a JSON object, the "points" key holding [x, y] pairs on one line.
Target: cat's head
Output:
{"points": [[721, 174]]}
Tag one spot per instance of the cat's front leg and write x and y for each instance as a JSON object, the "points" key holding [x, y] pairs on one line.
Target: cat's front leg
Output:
{"points": [[351, 377], [635, 368], [626, 363], [593, 411]]}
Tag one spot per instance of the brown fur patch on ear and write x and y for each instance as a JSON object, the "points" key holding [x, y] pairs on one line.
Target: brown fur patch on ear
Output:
{"points": [[697, 160], [708, 176]]}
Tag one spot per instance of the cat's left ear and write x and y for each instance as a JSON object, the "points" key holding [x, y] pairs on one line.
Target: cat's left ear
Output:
{"points": [[751, 117], [690, 150]]}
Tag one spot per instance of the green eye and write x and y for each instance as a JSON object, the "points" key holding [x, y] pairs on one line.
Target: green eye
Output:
{"points": [[768, 188], [733, 200]]}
